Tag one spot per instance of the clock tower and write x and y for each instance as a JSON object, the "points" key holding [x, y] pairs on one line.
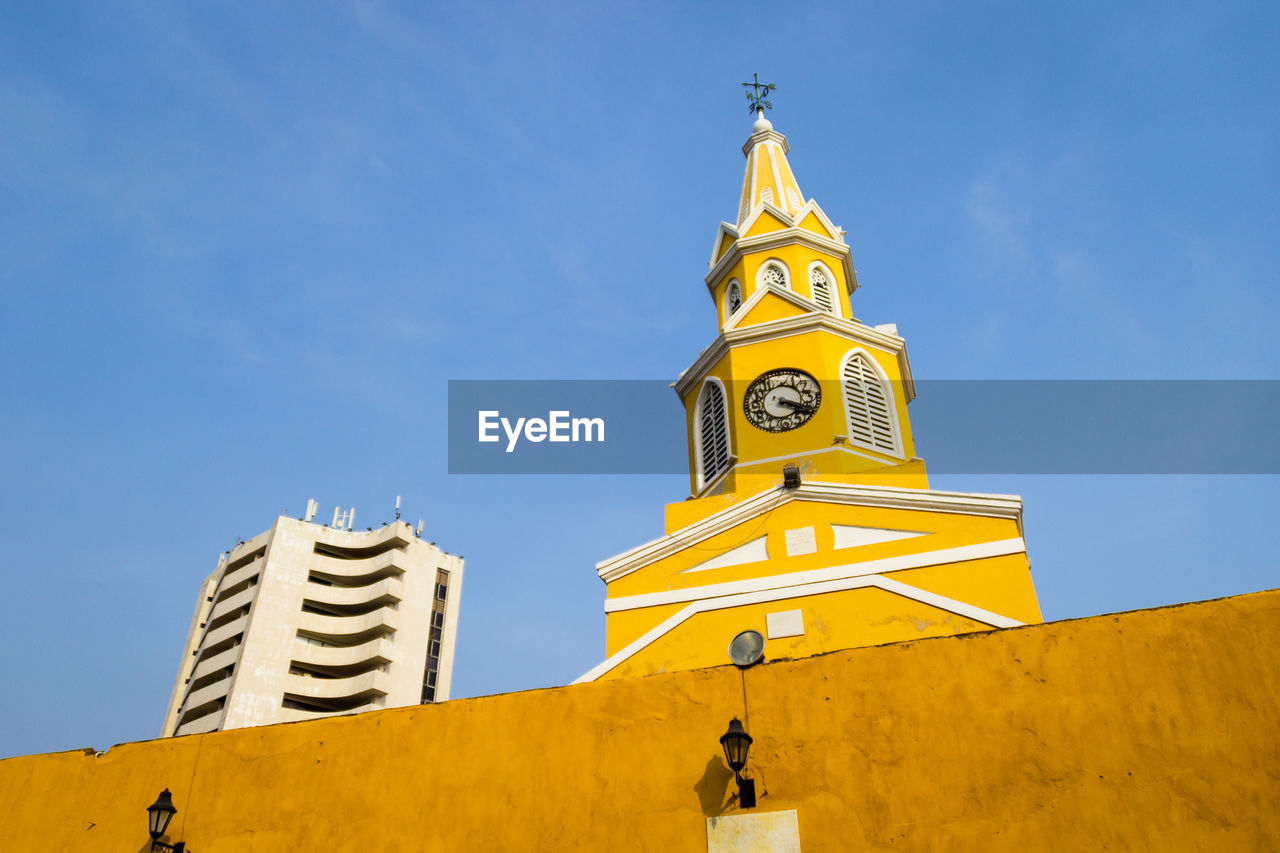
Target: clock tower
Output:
{"points": [[810, 520]]}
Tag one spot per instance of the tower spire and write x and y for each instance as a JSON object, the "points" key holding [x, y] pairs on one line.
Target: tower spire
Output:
{"points": [[768, 179]]}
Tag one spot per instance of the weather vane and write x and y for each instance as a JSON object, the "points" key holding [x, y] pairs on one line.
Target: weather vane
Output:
{"points": [[757, 93]]}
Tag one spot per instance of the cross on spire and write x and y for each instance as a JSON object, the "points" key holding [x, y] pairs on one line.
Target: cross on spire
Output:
{"points": [[757, 93]]}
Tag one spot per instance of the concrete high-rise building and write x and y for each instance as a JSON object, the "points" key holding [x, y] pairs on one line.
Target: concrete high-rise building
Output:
{"points": [[308, 620]]}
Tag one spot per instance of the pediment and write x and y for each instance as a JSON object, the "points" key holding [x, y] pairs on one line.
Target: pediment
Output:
{"points": [[770, 303], [726, 236], [883, 520], [766, 219], [812, 218]]}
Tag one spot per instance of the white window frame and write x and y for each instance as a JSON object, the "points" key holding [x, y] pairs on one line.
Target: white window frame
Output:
{"points": [[701, 479], [834, 292], [786, 273], [890, 401], [729, 288]]}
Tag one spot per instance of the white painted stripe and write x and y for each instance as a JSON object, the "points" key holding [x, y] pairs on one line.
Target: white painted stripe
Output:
{"points": [[852, 536], [963, 553], [754, 551], [969, 611], [895, 497], [777, 178], [833, 449]]}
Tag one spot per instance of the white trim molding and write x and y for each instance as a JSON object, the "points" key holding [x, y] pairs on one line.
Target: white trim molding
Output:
{"points": [[950, 605], [848, 494], [792, 234], [815, 318], [802, 302], [883, 566]]}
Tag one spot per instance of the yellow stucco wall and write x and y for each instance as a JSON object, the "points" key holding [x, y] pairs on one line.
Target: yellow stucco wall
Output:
{"points": [[1152, 730]]}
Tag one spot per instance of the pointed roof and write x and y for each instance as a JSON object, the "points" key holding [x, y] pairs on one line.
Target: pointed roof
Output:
{"points": [[768, 179]]}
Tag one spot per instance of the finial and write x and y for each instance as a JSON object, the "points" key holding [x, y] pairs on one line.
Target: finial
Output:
{"points": [[756, 96]]}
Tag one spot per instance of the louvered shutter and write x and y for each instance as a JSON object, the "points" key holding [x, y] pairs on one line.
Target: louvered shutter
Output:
{"points": [[820, 286], [714, 432], [866, 398]]}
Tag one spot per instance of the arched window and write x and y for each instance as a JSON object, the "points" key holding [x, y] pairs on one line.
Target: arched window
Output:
{"points": [[746, 208], [732, 299], [868, 404], [773, 273], [821, 288], [793, 197], [711, 432], [766, 195]]}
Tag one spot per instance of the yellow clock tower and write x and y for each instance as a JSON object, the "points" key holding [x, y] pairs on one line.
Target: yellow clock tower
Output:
{"points": [[810, 520]]}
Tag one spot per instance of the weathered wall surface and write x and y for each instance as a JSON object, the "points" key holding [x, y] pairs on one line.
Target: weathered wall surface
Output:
{"points": [[1147, 730]]}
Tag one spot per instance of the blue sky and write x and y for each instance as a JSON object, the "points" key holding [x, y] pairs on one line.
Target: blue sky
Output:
{"points": [[245, 246]]}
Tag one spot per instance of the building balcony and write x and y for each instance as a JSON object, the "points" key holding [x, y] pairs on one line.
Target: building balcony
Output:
{"points": [[225, 632], [219, 661], [238, 576], [348, 630], [235, 602], [377, 651], [296, 715], [200, 725], [357, 573], [358, 689], [387, 589], [205, 695]]}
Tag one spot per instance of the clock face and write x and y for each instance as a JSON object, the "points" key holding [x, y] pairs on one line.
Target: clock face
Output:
{"points": [[781, 400]]}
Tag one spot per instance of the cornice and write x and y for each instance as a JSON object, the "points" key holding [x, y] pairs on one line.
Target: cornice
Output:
{"points": [[788, 326], [765, 136], [851, 494], [784, 293], [776, 239]]}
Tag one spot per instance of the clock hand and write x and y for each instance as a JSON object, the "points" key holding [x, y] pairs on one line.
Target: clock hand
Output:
{"points": [[798, 407]]}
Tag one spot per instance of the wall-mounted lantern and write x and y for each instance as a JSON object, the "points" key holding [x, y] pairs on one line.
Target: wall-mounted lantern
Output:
{"points": [[737, 743], [159, 814]]}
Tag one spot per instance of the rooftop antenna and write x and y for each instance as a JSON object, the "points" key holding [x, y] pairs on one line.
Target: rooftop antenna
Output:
{"points": [[397, 507], [312, 506], [343, 519]]}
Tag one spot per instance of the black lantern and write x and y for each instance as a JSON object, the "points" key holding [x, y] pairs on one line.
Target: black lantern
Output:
{"points": [[737, 743], [159, 814], [790, 476]]}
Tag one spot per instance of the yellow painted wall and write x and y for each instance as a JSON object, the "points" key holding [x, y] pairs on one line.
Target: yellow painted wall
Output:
{"points": [[1152, 730]]}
